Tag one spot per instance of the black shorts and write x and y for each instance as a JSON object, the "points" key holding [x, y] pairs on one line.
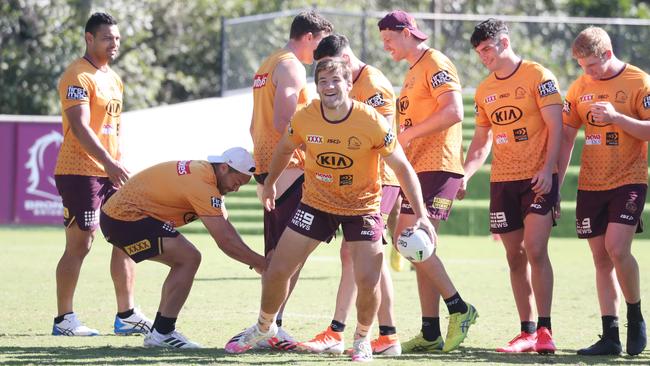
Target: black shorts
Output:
{"points": [[595, 209], [82, 197]]}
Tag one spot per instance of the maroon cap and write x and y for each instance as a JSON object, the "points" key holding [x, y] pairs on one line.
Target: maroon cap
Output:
{"points": [[397, 20]]}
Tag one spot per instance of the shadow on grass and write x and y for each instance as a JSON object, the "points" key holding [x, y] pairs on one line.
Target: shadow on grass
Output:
{"points": [[142, 356]]}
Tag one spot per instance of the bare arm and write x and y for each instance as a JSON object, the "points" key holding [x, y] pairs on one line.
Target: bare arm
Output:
{"points": [[568, 140], [450, 113], [79, 118], [410, 185], [289, 78], [478, 151], [279, 161], [605, 112], [552, 117], [231, 243]]}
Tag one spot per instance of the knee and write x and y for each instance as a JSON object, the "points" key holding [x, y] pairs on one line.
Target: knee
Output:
{"points": [[192, 259], [602, 262], [368, 282], [346, 256], [516, 260], [617, 253]]}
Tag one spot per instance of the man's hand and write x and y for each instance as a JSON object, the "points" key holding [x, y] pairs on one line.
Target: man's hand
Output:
{"points": [[462, 191], [117, 174], [603, 112], [542, 181], [425, 224], [268, 195]]}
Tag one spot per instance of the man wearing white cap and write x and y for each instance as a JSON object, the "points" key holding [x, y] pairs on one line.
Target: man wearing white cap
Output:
{"points": [[141, 219]]}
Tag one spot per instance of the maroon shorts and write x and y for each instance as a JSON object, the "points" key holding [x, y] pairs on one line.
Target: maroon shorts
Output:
{"points": [[140, 239], [321, 225], [510, 202], [438, 191], [276, 220], [82, 197], [595, 209]]}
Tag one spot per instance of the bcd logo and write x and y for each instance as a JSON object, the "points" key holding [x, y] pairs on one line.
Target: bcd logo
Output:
{"points": [[506, 115], [333, 160]]}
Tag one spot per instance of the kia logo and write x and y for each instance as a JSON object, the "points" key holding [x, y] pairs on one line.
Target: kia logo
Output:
{"points": [[333, 160], [506, 115]]}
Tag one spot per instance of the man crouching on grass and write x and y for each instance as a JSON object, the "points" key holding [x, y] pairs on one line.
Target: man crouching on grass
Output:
{"points": [[344, 140], [141, 219]]}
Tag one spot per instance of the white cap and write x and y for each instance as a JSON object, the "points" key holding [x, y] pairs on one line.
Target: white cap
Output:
{"points": [[237, 158]]}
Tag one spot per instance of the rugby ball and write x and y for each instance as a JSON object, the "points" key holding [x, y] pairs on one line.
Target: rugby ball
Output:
{"points": [[415, 245]]}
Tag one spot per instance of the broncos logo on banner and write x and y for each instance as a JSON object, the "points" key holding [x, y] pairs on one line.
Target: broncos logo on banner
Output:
{"points": [[41, 180]]}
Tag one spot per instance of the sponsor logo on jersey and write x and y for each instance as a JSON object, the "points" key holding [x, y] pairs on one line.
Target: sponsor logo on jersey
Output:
{"points": [[475, 108], [520, 93], [498, 220], [403, 104], [490, 99], [506, 115], [521, 134], [314, 139], [602, 96], [189, 217], [216, 202], [547, 88], [76, 93], [646, 102], [584, 226], [586, 98], [303, 219], [345, 180], [376, 100], [504, 95], [354, 143], [108, 130], [566, 107], [114, 108], [621, 97], [333, 141], [324, 177], [611, 138], [260, 80], [440, 78], [183, 167], [501, 139], [592, 139], [389, 138], [591, 121], [333, 160], [138, 247]]}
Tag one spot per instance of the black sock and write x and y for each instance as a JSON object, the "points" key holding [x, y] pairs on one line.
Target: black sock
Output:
{"points": [[610, 327], [125, 314], [59, 318], [163, 324], [634, 312], [387, 330], [337, 326], [544, 322], [528, 327], [278, 322], [455, 304], [430, 328]]}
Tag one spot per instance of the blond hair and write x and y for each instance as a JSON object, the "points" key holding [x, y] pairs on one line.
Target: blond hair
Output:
{"points": [[593, 41]]}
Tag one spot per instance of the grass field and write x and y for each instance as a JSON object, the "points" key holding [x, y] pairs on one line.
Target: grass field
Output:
{"points": [[225, 299]]}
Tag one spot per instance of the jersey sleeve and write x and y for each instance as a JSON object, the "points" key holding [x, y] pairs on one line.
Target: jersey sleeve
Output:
{"points": [[643, 99], [204, 198], [570, 115], [382, 99], [383, 137], [481, 118], [294, 127], [443, 79], [547, 90], [75, 89]]}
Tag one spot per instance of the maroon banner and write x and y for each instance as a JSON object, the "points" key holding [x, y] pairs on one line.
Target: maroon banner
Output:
{"points": [[37, 200], [7, 176]]}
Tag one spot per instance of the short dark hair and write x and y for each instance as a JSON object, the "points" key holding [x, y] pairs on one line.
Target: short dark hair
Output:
{"points": [[488, 29], [98, 19], [331, 46], [334, 64], [309, 21]]}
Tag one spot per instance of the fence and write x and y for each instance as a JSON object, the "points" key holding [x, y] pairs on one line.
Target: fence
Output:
{"points": [[246, 41]]}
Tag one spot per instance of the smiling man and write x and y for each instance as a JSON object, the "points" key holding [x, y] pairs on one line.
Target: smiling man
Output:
{"points": [[612, 101], [344, 140], [88, 171], [519, 113], [141, 220]]}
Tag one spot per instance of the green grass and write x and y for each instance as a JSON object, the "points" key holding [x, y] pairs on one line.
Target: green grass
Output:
{"points": [[225, 299]]}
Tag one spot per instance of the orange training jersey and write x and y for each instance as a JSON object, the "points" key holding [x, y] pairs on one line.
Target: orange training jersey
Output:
{"points": [[265, 136], [610, 157], [430, 77], [374, 89], [175, 192], [342, 158], [512, 108], [83, 83]]}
